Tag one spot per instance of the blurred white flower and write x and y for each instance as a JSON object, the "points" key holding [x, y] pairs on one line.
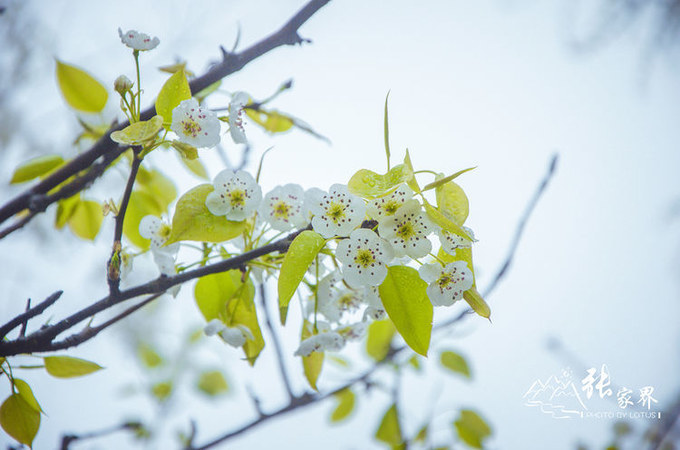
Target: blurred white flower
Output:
{"points": [[447, 284], [282, 207], [154, 229], [235, 336], [450, 241], [238, 101], [321, 342], [407, 231], [364, 256], [138, 41], [382, 207], [195, 125], [236, 195], [353, 332], [337, 212]]}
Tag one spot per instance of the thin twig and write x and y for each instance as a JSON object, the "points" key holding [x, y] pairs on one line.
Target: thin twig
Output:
{"points": [[24, 324], [277, 344], [26, 316], [68, 439]]}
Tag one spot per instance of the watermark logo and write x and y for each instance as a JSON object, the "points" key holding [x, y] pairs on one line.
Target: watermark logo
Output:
{"points": [[564, 397]]}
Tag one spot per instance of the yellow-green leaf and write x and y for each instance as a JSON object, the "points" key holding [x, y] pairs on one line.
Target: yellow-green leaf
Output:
{"points": [[412, 182], [138, 133], [345, 405], [204, 93], [404, 296], [441, 179], [379, 337], [313, 363], [80, 90], [36, 167], [444, 222], [149, 357], [65, 210], [141, 204], [389, 430], [299, 257], [186, 151], [162, 390], [452, 202], [195, 166], [19, 419], [368, 184], [477, 303], [27, 394], [472, 429], [454, 362], [212, 383], [69, 367], [86, 219], [161, 188], [194, 222], [173, 92], [386, 127], [272, 121]]}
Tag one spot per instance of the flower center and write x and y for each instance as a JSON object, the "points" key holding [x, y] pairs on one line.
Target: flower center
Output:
{"points": [[282, 210], [237, 197], [364, 258], [444, 281], [191, 128], [405, 231], [391, 207], [336, 212], [164, 232], [347, 302]]}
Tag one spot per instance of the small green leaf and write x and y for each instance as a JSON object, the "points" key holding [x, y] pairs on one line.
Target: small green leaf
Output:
{"points": [[272, 121], [313, 363], [195, 166], [19, 419], [452, 202], [389, 430], [412, 182], [387, 131], [404, 296], [80, 90], [477, 303], [139, 133], [212, 383], [141, 204], [454, 362], [160, 187], [299, 257], [69, 367], [26, 393], [35, 167], [194, 222], [185, 150], [441, 179], [65, 210], [86, 219], [345, 405], [379, 337], [173, 92], [421, 436], [149, 357], [471, 428], [368, 184], [444, 222], [162, 390]]}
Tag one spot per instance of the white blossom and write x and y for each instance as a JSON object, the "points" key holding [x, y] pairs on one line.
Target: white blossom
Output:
{"points": [[195, 125], [337, 212], [238, 101], [158, 232], [353, 332], [282, 207], [407, 231], [364, 256], [388, 205], [450, 241], [138, 41], [235, 336], [236, 195], [447, 284], [321, 342]]}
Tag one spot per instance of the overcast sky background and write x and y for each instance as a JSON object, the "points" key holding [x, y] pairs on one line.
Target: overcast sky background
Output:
{"points": [[491, 84]]}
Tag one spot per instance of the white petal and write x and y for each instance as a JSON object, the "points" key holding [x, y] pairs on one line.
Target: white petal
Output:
{"points": [[429, 272], [149, 226], [213, 327], [233, 336], [216, 204]]}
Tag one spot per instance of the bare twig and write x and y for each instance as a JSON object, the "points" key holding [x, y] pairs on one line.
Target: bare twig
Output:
{"points": [[68, 439], [26, 316], [22, 331], [277, 344]]}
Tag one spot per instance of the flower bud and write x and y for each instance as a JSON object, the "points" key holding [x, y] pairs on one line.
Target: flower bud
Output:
{"points": [[122, 84]]}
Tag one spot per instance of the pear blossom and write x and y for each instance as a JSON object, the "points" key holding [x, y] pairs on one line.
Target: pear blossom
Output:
{"points": [[329, 340], [450, 241], [235, 336], [282, 207], [238, 101], [353, 332], [158, 232], [195, 125], [446, 284], [138, 41], [382, 207], [337, 212], [236, 195], [407, 231], [364, 256]]}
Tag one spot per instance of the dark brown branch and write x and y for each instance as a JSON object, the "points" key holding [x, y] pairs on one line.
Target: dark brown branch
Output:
{"points": [[277, 344], [26, 316], [34, 198], [68, 439]]}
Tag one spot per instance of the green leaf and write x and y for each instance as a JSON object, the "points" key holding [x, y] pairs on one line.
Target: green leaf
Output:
{"points": [[454, 362], [86, 219], [379, 337], [387, 131], [139, 133], [80, 90], [477, 303], [299, 257], [212, 383], [26, 393], [162, 390], [444, 222], [471, 428], [149, 357], [368, 184], [412, 182], [35, 167], [224, 296], [404, 296], [204, 93], [19, 419], [421, 436], [452, 202], [313, 363], [65, 210], [196, 167], [345, 406], [173, 92], [185, 150], [272, 121], [69, 367], [194, 222], [389, 430], [141, 204], [160, 187], [441, 179]]}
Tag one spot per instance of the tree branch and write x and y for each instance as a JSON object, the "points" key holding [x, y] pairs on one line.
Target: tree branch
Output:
{"points": [[34, 198], [29, 314]]}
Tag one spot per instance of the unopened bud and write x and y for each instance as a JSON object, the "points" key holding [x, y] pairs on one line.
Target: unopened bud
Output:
{"points": [[122, 84]]}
